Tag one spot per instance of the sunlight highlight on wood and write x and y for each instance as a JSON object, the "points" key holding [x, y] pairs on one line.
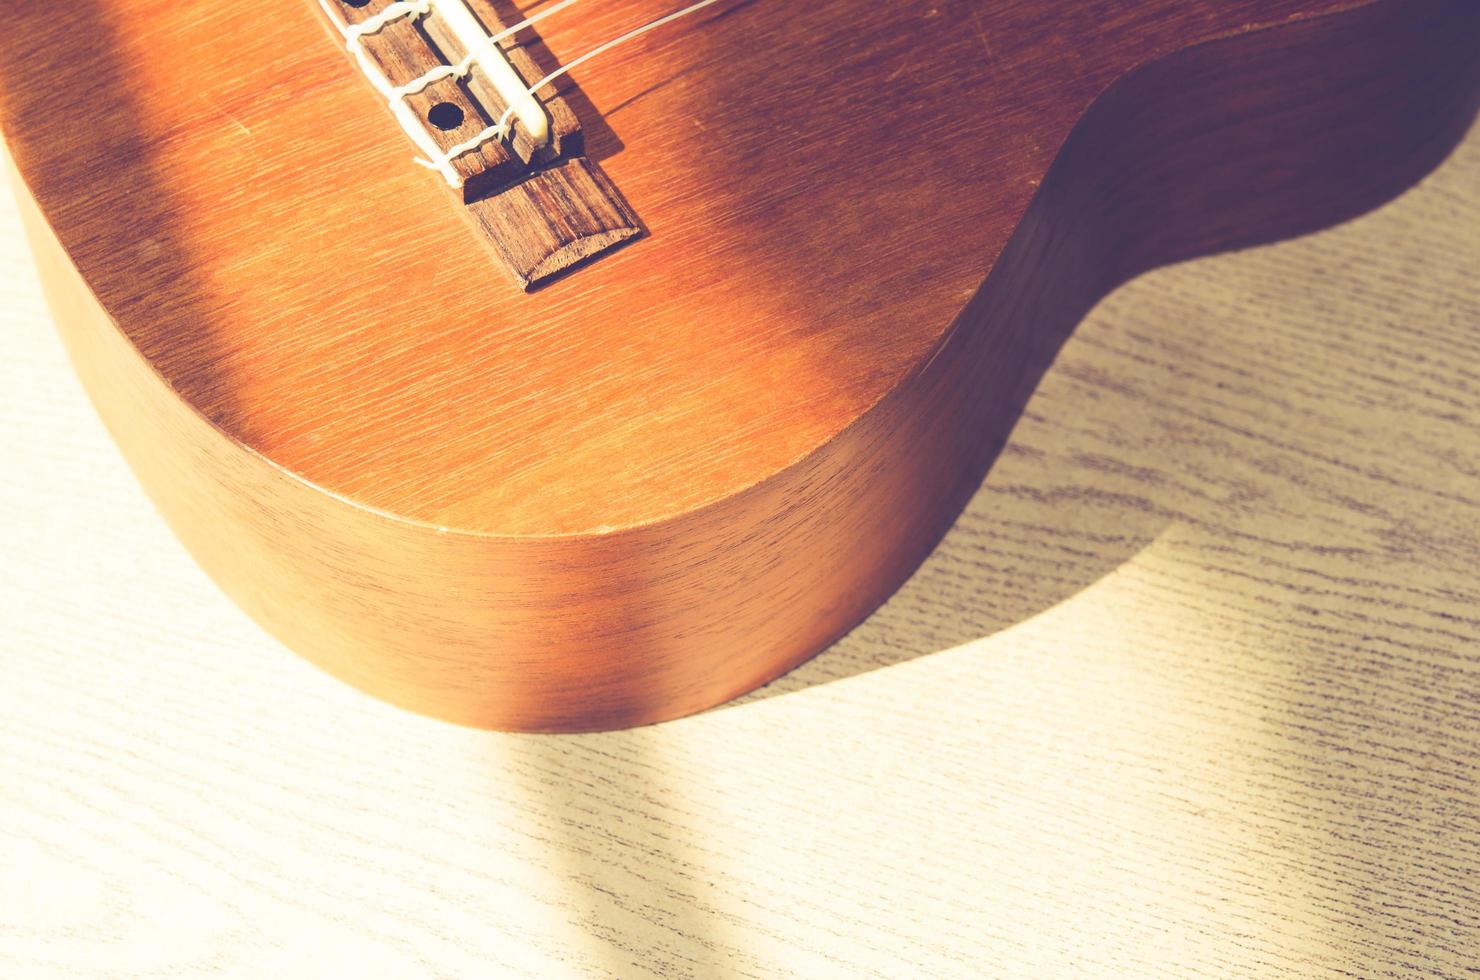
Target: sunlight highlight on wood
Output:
{"points": [[1192, 689]]}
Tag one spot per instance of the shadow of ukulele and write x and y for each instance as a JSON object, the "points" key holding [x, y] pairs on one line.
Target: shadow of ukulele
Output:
{"points": [[1225, 406]]}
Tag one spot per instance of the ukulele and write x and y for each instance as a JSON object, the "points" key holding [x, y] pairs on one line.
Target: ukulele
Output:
{"points": [[589, 364]]}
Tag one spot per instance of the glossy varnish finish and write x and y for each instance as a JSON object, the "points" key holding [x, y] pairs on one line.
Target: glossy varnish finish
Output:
{"points": [[670, 476]]}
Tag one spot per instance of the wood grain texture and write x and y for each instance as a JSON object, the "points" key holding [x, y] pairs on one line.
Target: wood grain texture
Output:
{"points": [[555, 220], [1191, 690], [665, 480]]}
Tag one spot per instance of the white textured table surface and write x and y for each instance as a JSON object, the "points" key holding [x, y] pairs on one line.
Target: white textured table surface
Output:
{"points": [[1192, 689]]}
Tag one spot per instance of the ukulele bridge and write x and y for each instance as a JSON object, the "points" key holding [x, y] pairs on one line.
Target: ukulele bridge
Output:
{"points": [[456, 78]]}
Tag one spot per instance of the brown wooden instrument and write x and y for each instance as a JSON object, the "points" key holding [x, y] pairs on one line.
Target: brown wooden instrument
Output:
{"points": [[793, 270]]}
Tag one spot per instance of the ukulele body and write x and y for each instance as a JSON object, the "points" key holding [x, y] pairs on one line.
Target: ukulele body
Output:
{"points": [[674, 473]]}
